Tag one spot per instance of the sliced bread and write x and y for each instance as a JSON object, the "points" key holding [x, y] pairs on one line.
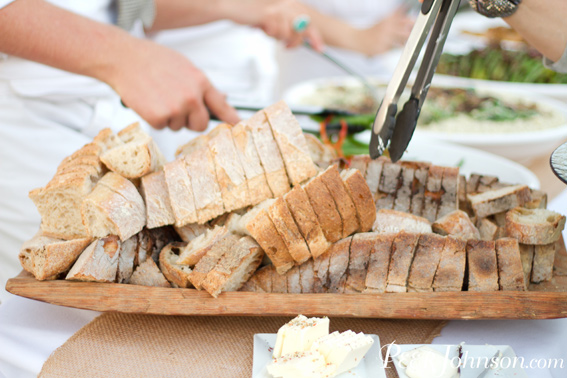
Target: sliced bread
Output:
{"points": [[126, 259], [499, 200], [433, 193], [379, 263], [360, 249], [198, 247], [403, 248], [325, 208], [534, 226], [392, 221], [98, 262], [544, 258], [450, 272], [347, 211], [180, 192], [510, 271], [425, 262], [338, 265], [361, 197], [158, 206], [148, 274], [457, 224], [482, 266], [288, 231]]}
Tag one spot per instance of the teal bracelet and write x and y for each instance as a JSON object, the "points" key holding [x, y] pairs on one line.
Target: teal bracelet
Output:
{"points": [[301, 22]]}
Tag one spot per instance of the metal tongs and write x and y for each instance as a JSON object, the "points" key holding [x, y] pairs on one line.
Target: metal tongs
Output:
{"points": [[395, 132]]}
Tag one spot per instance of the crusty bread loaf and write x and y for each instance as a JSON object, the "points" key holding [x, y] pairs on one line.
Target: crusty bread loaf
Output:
{"points": [[510, 271], [191, 231], [180, 192], [288, 231], [265, 233], [321, 270], [534, 226], [198, 247], [158, 206], [332, 180], [425, 262], [527, 257], [117, 211], [379, 263], [307, 277], [544, 258], [433, 193], [206, 190], [46, 257], [338, 265], [258, 187], [269, 153], [390, 181], [401, 258], [360, 249], [148, 274], [321, 154], [306, 220], [293, 281], [291, 142], [98, 262], [450, 272], [177, 275], [499, 200], [361, 197], [482, 266], [325, 208], [457, 224], [138, 156], [234, 268], [395, 221], [230, 173], [126, 259], [211, 258]]}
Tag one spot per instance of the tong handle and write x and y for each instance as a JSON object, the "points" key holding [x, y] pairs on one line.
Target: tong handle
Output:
{"points": [[406, 122]]}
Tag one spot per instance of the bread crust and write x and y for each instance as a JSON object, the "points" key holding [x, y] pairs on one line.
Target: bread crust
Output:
{"points": [[393, 221], [527, 257], [379, 263], [176, 274], [98, 262], [433, 193], [404, 193], [450, 272], [361, 197], [457, 224], [403, 249], [499, 200], [180, 192], [510, 271], [321, 270], [425, 262], [390, 181], [482, 266], [324, 207], [332, 180], [534, 226], [360, 249], [338, 264], [156, 197], [450, 188], [148, 274], [288, 231], [544, 258]]}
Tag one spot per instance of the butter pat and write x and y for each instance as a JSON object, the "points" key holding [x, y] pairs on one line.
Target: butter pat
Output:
{"points": [[299, 334], [344, 350], [309, 364], [426, 362]]}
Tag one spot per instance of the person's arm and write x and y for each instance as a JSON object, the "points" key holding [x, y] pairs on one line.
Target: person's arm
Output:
{"points": [[161, 85], [542, 24]]}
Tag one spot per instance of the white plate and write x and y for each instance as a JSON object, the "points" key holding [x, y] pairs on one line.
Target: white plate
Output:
{"points": [[371, 365], [473, 358], [469, 160]]}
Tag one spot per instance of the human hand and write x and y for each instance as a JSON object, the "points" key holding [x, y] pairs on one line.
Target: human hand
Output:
{"points": [[391, 32], [276, 18], [165, 88]]}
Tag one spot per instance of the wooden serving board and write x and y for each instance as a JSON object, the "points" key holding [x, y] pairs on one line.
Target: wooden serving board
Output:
{"points": [[544, 301]]}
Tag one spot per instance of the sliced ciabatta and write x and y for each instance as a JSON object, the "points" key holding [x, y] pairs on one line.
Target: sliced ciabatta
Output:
{"points": [[482, 266], [534, 226], [499, 200], [46, 257], [379, 263], [510, 271], [288, 231], [177, 275], [457, 224], [98, 262], [148, 274], [234, 268], [158, 206], [392, 221], [401, 258], [345, 206]]}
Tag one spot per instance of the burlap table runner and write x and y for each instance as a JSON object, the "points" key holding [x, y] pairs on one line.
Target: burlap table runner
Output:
{"points": [[132, 346]]}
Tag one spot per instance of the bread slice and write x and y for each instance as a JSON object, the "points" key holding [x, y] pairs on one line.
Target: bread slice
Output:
{"points": [[194, 144], [291, 142], [279, 282], [201, 245], [191, 231], [544, 258], [425, 262], [418, 189], [148, 274], [293, 280], [361, 197], [390, 181], [450, 272], [261, 280], [241, 226], [321, 154], [338, 265], [321, 271], [306, 220], [534, 226], [258, 187], [46, 257], [527, 257], [180, 192], [98, 262], [482, 266], [433, 193], [332, 179], [138, 156], [373, 174], [234, 268], [307, 277], [119, 211], [71, 162], [269, 153], [265, 233], [211, 258], [360, 162], [252, 285], [499, 200], [457, 224], [450, 188], [379, 264], [539, 200], [360, 249], [288, 231], [206, 190], [404, 193], [464, 204], [177, 275], [487, 229], [393, 221], [403, 249], [324, 207], [230, 173], [158, 206], [472, 183], [510, 271], [486, 183], [126, 259]]}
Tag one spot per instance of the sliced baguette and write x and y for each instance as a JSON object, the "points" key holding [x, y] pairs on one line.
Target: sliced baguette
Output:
{"points": [[338, 265], [482, 266], [487, 229], [402, 254], [177, 275], [191, 231], [361, 197], [347, 211], [293, 280], [418, 189], [373, 174], [510, 270], [126, 259], [450, 191], [425, 262], [392, 221], [534, 226], [433, 193], [404, 193], [148, 274], [360, 162], [98, 262], [307, 277], [390, 181], [450, 272], [527, 257], [499, 200], [321, 154], [321, 270], [180, 193], [457, 224], [544, 258], [288, 231], [324, 207], [198, 247], [360, 250], [158, 206], [379, 263]]}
